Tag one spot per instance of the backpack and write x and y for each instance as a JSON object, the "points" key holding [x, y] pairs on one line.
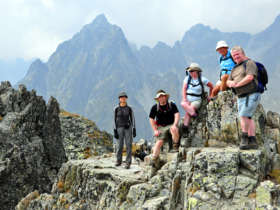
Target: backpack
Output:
{"points": [[262, 76], [199, 83]]}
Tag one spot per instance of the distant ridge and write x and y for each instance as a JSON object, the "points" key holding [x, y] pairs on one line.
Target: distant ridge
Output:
{"points": [[87, 72]]}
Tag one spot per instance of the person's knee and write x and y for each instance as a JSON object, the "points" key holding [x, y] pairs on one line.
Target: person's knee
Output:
{"points": [[184, 104], [217, 86]]}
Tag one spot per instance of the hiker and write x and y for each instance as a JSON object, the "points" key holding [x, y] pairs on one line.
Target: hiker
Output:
{"points": [[243, 79], [226, 65], [124, 129], [166, 124], [192, 92]]}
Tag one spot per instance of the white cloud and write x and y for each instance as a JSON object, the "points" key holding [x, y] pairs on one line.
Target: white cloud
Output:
{"points": [[48, 3], [34, 28]]}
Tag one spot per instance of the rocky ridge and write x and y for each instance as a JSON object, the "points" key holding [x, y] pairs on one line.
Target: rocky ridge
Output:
{"points": [[31, 149], [209, 172], [81, 137]]}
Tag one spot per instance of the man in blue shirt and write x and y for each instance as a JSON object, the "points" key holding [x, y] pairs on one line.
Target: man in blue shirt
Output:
{"points": [[226, 65]]}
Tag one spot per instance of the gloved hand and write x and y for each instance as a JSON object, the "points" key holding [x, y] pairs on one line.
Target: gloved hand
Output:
{"points": [[134, 132], [116, 135]]}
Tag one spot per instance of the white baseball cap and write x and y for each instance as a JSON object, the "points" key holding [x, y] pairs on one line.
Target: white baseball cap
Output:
{"points": [[220, 44]]}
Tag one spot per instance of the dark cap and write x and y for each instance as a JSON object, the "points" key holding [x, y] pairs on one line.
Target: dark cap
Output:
{"points": [[123, 94]]}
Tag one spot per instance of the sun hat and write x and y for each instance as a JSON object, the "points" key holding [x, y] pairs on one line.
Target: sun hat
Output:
{"points": [[123, 94], [194, 67], [161, 93], [221, 44]]}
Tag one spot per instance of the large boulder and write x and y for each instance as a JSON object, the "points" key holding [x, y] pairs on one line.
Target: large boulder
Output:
{"points": [[82, 138], [31, 149]]}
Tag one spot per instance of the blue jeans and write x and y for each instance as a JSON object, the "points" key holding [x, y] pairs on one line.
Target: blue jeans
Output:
{"points": [[247, 107]]}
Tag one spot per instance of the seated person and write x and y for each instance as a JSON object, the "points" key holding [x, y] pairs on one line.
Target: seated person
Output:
{"points": [[164, 118], [193, 91], [226, 64]]}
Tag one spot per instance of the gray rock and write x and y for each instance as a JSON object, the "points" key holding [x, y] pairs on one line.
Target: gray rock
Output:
{"points": [[273, 119], [267, 195], [81, 137], [31, 150]]}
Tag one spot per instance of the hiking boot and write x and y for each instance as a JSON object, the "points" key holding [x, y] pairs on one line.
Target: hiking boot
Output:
{"points": [[253, 142], [244, 144], [213, 98], [185, 129], [176, 147], [127, 166], [118, 163], [154, 162]]}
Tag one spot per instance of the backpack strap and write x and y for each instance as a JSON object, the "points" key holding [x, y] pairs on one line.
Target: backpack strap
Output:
{"points": [[132, 118], [245, 64], [169, 106], [199, 83], [189, 80]]}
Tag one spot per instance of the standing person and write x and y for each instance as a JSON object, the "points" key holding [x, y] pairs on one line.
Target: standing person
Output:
{"points": [[164, 119], [192, 92], [243, 79], [124, 129], [226, 65]]}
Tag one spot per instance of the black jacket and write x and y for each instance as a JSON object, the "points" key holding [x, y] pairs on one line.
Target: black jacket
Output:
{"points": [[124, 117]]}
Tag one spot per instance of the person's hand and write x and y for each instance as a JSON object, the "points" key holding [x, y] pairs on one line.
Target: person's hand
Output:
{"points": [[173, 128], [236, 85], [116, 135], [231, 84], [156, 133], [134, 132]]}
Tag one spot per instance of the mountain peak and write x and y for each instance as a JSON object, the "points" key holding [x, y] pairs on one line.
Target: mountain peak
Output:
{"points": [[277, 19], [100, 20], [276, 22], [201, 28]]}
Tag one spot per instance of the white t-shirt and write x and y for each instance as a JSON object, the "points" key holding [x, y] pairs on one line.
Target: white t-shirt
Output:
{"points": [[195, 88]]}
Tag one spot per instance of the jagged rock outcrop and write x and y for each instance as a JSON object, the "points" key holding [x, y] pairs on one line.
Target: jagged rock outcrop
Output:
{"points": [[211, 174], [81, 137], [31, 150], [200, 178]]}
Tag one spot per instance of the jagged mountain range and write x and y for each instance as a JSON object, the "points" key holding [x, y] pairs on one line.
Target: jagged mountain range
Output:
{"points": [[87, 72]]}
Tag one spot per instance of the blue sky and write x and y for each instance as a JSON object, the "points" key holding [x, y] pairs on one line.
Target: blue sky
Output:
{"points": [[34, 28]]}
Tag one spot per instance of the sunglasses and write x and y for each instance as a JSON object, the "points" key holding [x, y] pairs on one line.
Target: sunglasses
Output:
{"points": [[191, 71]]}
